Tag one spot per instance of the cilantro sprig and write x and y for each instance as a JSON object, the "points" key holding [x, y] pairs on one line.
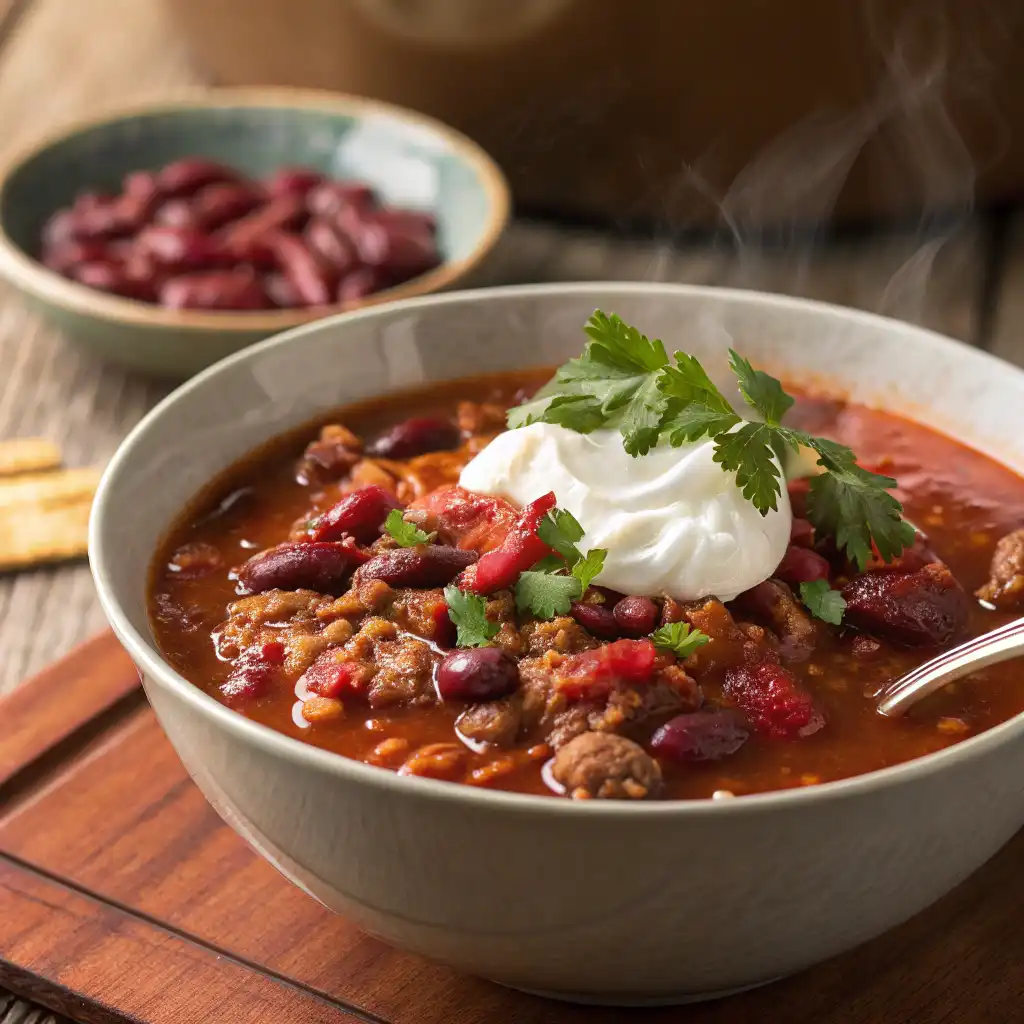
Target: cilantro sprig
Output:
{"points": [[468, 613], [822, 601], [680, 638], [624, 380], [407, 534]]}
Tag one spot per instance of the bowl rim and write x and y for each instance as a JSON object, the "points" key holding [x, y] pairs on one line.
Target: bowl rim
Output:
{"points": [[30, 275], [269, 741]]}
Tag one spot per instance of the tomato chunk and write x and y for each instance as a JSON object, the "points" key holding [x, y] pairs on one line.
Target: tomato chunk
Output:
{"points": [[593, 674], [473, 522]]}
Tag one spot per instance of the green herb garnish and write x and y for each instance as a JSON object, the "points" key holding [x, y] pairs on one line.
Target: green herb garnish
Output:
{"points": [[625, 380], [546, 594], [822, 601], [468, 612], [560, 530], [680, 638], [405, 533]]}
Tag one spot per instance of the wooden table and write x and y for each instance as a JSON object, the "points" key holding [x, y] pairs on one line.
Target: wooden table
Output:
{"points": [[60, 60]]}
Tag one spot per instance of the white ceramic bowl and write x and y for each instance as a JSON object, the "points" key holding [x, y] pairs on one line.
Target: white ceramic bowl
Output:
{"points": [[600, 901]]}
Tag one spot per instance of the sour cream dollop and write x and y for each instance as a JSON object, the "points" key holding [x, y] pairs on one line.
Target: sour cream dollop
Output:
{"points": [[673, 521]]}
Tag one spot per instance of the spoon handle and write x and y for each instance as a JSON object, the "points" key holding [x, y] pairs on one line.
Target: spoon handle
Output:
{"points": [[999, 645]]}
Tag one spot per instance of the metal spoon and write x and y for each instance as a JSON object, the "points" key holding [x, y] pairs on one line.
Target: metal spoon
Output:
{"points": [[988, 649]]}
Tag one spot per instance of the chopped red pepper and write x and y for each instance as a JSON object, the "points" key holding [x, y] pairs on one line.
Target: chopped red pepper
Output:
{"points": [[520, 550], [595, 673]]}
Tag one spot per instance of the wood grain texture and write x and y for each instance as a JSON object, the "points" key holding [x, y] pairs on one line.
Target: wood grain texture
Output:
{"points": [[120, 883]]}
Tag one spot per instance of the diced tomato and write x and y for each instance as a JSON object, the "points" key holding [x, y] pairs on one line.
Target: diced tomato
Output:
{"points": [[771, 698], [474, 522], [521, 549], [252, 673], [593, 674], [328, 677]]}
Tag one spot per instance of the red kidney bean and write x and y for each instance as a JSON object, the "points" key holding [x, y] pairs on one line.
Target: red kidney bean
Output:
{"points": [[140, 183], [294, 180], [402, 250], [63, 256], [477, 674], [181, 249], [801, 533], [636, 616], [249, 239], [801, 565], [110, 277], [186, 177], [431, 565], [333, 247], [360, 514], [359, 283], [176, 213], [325, 567], [308, 274], [701, 736], [222, 202], [141, 269], [416, 436], [59, 229], [214, 289], [330, 198], [280, 291], [253, 672], [596, 619]]}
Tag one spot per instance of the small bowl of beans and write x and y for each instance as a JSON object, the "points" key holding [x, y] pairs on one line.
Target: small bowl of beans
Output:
{"points": [[167, 237]]}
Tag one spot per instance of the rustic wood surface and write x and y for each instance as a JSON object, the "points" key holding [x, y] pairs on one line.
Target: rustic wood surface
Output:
{"points": [[61, 60], [127, 899]]}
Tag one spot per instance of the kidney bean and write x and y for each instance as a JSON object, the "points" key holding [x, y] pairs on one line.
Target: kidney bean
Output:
{"points": [[186, 177], [477, 674], [923, 608], [180, 249], [144, 273], [222, 202], [333, 247], [401, 249], [176, 213], [596, 619], [105, 276], [360, 514], [63, 256], [252, 673], [332, 197], [359, 283], [280, 291], [294, 180], [431, 565], [140, 183], [59, 229], [325, 567], [416, 436], [214, 289], [251, 234], [801, 533], [801, 565], [308, 274], [636, 616], [701, 736]]}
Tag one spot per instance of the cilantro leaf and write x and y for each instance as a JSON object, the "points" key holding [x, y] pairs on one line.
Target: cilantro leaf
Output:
{"points": [[560, 530], [549, 563], [680, 638], [469, 614], [546, 594], [749, 454], [407, 534], [588, 568], [760, 390], [822, 601], [695, 421], [624, 345], [688, 383]]}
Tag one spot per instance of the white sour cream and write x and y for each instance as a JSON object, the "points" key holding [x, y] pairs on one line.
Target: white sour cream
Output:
{"points": [[673, 521]]}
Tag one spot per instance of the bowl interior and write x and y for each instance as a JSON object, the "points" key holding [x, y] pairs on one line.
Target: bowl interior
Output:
{"points": [[409, 162]]}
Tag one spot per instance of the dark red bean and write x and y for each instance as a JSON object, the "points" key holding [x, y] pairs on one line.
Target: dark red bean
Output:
{"points": [[249, 239], [176, 213], [65, 255], [771, 698], [222, 202], [701, 736], [331, 245], [60, 228], [332, 197], [477, 674], [801, 565], [111, 277], [280, 291], [359, 283], [801, 533], [596, 619], [924, 608], [416, 436], [325, 567], [294, 181], [141, 183], [186, 177], [360, 514], [401, 249], [181, 249], [252, 673], [214, 289], [308, 274], [798, 491], [636, 616], [430, 565]]}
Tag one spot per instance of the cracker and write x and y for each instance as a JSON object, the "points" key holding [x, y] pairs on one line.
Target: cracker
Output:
{"points": [[48, 490], [27, 455], [29, 535]]}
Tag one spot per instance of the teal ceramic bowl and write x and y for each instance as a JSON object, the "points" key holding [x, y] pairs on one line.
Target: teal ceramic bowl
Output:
{"points": [[409, 159]]}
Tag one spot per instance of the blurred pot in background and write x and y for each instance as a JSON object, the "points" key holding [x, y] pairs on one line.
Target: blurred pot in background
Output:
{"points": [[671, 111]]}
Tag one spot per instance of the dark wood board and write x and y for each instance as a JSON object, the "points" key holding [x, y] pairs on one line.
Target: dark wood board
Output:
{"points": [[123, 897]]}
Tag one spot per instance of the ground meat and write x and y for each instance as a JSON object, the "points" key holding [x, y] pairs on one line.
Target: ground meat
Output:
{"points": [[495, 722], [774, 604], [607, 767], [405, 674], [562, 634], [365, 596], [423, 612], [731, 644], [1005, 588], [330, 457]]}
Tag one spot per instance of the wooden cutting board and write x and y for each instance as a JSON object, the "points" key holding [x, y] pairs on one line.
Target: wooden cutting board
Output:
{"points": [[123, 897]]}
